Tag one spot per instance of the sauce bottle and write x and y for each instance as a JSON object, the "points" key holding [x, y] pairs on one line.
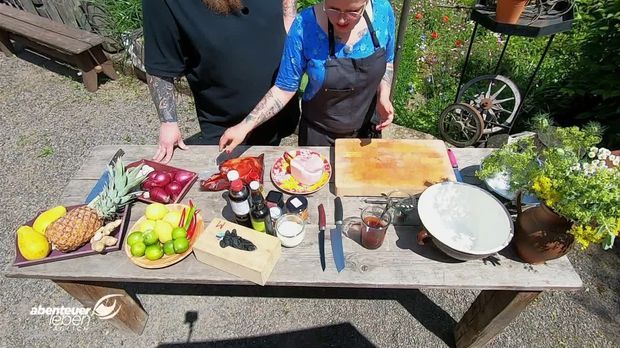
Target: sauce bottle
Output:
{"points": [[238, 197], [259, 213]]}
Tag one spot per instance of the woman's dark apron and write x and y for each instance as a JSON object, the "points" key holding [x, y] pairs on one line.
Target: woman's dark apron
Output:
{"points": [[345, 105]]}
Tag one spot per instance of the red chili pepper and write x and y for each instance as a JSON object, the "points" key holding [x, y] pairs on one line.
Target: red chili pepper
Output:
{"points": [[191, 204], [182, 221], [192, 227]]}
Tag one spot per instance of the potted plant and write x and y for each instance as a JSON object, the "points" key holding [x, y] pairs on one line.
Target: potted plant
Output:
{"points": [[577, 183], [509, 11]]}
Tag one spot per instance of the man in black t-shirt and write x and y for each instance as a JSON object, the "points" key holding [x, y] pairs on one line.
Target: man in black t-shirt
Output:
{"points": [[229, 50]]}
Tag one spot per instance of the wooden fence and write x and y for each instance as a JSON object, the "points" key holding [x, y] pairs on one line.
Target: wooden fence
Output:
{"points": [[70, 12]]}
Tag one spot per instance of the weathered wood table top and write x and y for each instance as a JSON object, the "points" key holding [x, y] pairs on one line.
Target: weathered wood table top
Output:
{"points": [[399, 263]]}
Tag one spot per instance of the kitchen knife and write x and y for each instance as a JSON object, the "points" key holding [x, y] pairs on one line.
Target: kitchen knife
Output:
{"points": [[455, 166], [103, 180], [322, 224], [336, 236]]}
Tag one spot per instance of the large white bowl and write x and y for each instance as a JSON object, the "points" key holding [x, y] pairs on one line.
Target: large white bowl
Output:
{"points": [[465, 221]]}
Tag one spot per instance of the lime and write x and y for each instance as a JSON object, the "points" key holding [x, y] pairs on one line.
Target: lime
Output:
{"points": [[154, 252], [134, 237], [181, 245], [179, 232], [147, 225], [173, 218], [164, 231], [150, 237], [155, 211], [169, 247], [137, 249]]}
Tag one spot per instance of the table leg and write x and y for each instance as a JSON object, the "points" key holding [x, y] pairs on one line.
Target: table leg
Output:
{"points": [[130, 318], [490, 313]]}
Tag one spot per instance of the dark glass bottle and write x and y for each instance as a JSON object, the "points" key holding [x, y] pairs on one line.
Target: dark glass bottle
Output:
{"points": [[239, 203], [259, 214]]}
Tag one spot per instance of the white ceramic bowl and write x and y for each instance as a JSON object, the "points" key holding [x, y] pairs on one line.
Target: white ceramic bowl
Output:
{"points": [[465, 221]]}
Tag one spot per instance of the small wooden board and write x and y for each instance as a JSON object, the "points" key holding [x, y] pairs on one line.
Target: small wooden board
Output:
{"points": [[370, 167], [255, 266]]}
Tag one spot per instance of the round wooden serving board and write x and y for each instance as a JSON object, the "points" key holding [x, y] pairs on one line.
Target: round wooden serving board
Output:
{"points": [[166, 260]]}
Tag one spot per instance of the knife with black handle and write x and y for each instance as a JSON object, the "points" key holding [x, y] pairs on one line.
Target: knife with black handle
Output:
{"points": [[322, 224], [336, 236]]}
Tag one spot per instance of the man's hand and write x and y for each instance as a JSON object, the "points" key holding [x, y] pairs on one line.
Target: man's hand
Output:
{"points": [[233, 136], [385, 111], [169, 137]]}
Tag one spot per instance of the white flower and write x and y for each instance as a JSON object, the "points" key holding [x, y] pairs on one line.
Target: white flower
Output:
{"points": [[611, 157], [616, 161], [595, 162], [602, 156], [593, 149], [592, 154], [576, 167]]}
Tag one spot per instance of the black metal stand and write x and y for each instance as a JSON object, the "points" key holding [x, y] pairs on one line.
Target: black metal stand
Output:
{"points": [[486, 18]]}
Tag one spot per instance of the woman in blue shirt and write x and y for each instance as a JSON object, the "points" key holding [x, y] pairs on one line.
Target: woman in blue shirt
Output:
{"points": [[346, 47]]}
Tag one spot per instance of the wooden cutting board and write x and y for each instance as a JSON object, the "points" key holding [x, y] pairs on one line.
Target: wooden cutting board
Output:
{"points": [[366, 167], [255, 266]]}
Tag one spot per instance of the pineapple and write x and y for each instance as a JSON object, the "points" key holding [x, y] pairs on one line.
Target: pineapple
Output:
{"points": [[78, 226]]}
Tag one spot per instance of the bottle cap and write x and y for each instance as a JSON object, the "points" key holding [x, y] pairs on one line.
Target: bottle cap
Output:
{"points": [[236, 185], [254, 185], [232, 175]]}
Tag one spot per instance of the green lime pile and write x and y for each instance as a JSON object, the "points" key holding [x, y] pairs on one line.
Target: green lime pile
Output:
{"points": [[159, 234]]}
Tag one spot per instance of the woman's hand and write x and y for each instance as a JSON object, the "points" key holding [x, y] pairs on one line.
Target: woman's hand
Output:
{"points": [[169, 137], [385, 111], [233, 136]]}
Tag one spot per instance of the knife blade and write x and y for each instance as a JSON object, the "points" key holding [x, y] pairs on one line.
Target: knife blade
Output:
{"points": [[103, 180], [336, 236], [322, 224], [455, 166]]}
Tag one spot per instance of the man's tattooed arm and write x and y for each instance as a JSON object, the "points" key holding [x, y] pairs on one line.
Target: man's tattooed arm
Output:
{"points": [[162, 93], [289, 8], [269, 106]]}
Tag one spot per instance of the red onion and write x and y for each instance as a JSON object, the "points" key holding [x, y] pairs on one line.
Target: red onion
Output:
{"points": [[148, 184], [151, 175], [183, 177], [174, 188], [161, 179], [160, 195]]}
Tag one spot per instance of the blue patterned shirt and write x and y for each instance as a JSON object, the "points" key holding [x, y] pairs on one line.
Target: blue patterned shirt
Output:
{"points": [[307, 47]]}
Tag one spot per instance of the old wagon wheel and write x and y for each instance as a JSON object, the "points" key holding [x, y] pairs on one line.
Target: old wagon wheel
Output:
{"points": [[461, 124], [495, 97]]}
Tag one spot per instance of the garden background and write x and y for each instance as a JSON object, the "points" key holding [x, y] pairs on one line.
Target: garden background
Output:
{"points": [[578, 82]]}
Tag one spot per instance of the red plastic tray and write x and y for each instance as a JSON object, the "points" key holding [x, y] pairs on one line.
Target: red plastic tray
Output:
{"points": [[85, 250], [160, 166]]}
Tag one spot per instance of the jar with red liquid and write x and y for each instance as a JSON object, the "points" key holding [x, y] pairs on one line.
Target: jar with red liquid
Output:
{"points": [[375, 222]]}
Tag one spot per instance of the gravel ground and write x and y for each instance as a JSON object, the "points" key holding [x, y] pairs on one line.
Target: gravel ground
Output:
{"points": [[49, 123]]}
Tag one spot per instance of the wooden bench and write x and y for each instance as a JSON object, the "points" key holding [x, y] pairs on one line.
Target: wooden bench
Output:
{"points": [[74, 46]]}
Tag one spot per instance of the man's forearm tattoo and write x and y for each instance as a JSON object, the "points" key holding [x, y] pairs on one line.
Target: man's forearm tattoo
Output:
{"points": [[389, 73], [266, 109], [162, 93]]}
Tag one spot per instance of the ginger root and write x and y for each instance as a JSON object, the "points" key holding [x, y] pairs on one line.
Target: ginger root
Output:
{"points": [[102, 237]]}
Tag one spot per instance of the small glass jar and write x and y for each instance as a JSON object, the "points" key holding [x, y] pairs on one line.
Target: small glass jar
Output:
{"points": [[290, 229], [275, 213], [298, 205]]}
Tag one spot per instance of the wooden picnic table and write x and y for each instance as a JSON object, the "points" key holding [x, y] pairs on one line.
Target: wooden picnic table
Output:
{"points": [[507, 283]]}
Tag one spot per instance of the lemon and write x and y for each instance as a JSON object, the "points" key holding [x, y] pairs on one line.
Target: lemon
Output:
{"points": [[147, 225], [173, 218], [156, 211], [32, 245], [164, 231]]}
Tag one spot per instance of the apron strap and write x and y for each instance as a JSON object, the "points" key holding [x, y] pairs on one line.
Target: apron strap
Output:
{"points": [[332, 41]]}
